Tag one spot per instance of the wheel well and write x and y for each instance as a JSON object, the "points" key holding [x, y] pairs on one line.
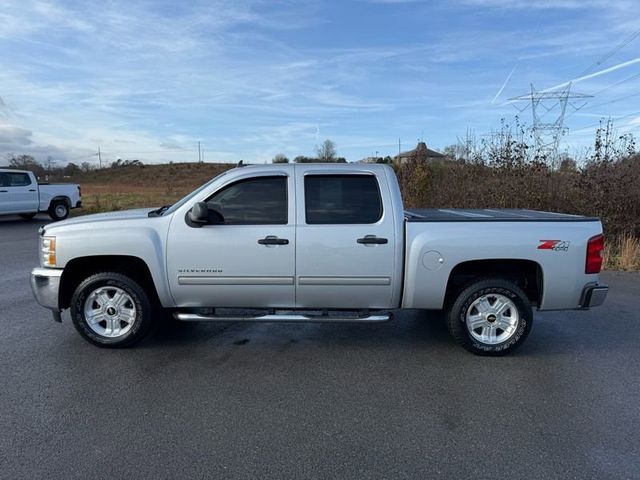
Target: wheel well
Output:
{"points": [[80, 268], [527, 274], [66, 200]]}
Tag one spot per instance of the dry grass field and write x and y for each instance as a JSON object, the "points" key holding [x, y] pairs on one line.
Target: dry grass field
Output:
{"points": [[142, 186], [107, 198]]}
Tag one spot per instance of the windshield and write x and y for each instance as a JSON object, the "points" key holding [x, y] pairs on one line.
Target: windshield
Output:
{"points": [[184, 200]]}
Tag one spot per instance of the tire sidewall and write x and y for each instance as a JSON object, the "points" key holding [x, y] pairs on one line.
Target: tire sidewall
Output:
{"points": [[54, 215], [499, 287], [140, 300]]}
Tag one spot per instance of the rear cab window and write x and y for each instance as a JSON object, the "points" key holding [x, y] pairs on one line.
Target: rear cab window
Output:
{"points": [[342, 199]]}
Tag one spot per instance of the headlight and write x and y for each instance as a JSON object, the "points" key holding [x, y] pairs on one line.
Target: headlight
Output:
{"points": [[48, 251]]}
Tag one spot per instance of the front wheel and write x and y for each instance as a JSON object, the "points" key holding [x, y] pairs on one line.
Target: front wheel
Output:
{"points": [[490, 317], [59, 210], [111, 310]]}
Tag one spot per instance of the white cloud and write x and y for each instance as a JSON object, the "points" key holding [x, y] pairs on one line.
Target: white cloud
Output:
{"points": [[14, 136]]}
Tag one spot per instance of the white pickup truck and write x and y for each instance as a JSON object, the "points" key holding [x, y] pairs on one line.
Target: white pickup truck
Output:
{"points": [[316, 243], [21, 194]]}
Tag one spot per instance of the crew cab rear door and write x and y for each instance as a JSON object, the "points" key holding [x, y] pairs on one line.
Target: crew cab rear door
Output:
{"points": [[346, 244], [5, 200]]}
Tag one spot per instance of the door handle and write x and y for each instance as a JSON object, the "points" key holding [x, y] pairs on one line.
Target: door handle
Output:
{"points": [[32, 189], [372, 240], [3, 191], [273, 240]]}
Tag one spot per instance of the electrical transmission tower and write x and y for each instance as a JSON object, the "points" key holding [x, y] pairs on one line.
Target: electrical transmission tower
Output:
{"points": [[551, 104]]}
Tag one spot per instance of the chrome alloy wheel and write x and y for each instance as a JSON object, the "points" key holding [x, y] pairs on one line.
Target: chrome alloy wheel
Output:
{"points": [[110, 311], [492, 319]]}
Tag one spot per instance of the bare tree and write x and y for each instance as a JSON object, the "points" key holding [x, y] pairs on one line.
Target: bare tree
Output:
{"points": [[326, 152], [280, 158]]}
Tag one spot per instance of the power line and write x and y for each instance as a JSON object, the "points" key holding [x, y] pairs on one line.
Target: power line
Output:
{"points": [[616, 84], [611, 52], [610, 118], [615, 100]]}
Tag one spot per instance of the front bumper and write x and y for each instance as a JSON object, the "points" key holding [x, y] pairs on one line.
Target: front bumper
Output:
{"points": [[593, 295], [45, 283]]}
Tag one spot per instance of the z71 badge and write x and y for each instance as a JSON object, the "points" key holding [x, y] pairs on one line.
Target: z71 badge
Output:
{"points": [[556, 245]]}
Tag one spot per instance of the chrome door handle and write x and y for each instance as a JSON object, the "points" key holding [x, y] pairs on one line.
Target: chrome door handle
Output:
{"points": [[372, 240], [273, 240]]}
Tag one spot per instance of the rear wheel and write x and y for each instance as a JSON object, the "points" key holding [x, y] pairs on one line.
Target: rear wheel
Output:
{"points": [[59, 210], [490, 317], [111, 310], [27, 216]]}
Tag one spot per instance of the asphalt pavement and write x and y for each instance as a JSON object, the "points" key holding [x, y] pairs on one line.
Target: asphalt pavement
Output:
{"points": [[395, 400]]}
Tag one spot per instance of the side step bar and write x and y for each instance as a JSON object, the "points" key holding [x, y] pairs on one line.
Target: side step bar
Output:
{"points": [[283, 318]]}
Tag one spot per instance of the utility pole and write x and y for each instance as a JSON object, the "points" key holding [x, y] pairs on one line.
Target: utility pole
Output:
{"points": [[99, 157], [199, 154]]}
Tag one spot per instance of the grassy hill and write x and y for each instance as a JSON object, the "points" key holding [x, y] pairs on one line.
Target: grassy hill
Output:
{"points": [[136, 186]]}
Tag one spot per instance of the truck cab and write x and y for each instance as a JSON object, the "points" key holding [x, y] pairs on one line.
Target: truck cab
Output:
{"points": [[304, 236]]}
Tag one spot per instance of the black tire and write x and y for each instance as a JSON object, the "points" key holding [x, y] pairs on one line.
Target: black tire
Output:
{"points": [[144, 310], [59, 210], [457, 316], [27, 216]]}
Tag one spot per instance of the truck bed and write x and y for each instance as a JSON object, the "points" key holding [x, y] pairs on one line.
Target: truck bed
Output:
{"points": [[489, 215]]}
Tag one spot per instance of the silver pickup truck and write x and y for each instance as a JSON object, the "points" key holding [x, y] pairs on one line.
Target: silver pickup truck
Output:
{"points": [[316, 243], [21, 194]]}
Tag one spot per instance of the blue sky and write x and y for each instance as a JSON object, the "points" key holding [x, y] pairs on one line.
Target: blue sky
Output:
{"points": [[249, 79]]}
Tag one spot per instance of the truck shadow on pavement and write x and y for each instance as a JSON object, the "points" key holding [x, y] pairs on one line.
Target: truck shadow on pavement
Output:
{"points": [[407, 329], [564, 333], [15, 219]]}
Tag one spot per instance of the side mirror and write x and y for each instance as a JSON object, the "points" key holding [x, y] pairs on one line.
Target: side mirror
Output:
{"points": [[199, 214]]}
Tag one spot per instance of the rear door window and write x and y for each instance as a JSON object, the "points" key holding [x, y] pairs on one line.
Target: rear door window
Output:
{"points": [[19, 180], [342, 199]]}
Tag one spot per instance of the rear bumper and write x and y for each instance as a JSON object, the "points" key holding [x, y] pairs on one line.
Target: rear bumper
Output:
{"points": [[593, 295], [78, 204], [45, 283]]}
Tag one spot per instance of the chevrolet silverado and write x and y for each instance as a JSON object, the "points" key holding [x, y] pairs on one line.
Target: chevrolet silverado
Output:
{"points": [[316, 243]]}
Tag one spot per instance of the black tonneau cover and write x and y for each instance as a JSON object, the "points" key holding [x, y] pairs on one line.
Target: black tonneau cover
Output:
{"points": [[489, 215]]}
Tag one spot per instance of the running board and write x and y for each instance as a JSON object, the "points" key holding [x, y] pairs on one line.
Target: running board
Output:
{"points": [[282, 318]]}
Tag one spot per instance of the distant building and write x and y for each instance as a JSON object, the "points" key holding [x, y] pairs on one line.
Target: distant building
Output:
{"points": [[367, 160], [421, 153]]}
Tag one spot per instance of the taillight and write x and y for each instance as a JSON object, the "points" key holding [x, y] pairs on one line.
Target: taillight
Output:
{"points": [[79, 191], [595, 248]]}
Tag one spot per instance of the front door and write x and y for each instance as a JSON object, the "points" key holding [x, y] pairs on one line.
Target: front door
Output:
{"points": [[247, 260], [23, 192]]}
